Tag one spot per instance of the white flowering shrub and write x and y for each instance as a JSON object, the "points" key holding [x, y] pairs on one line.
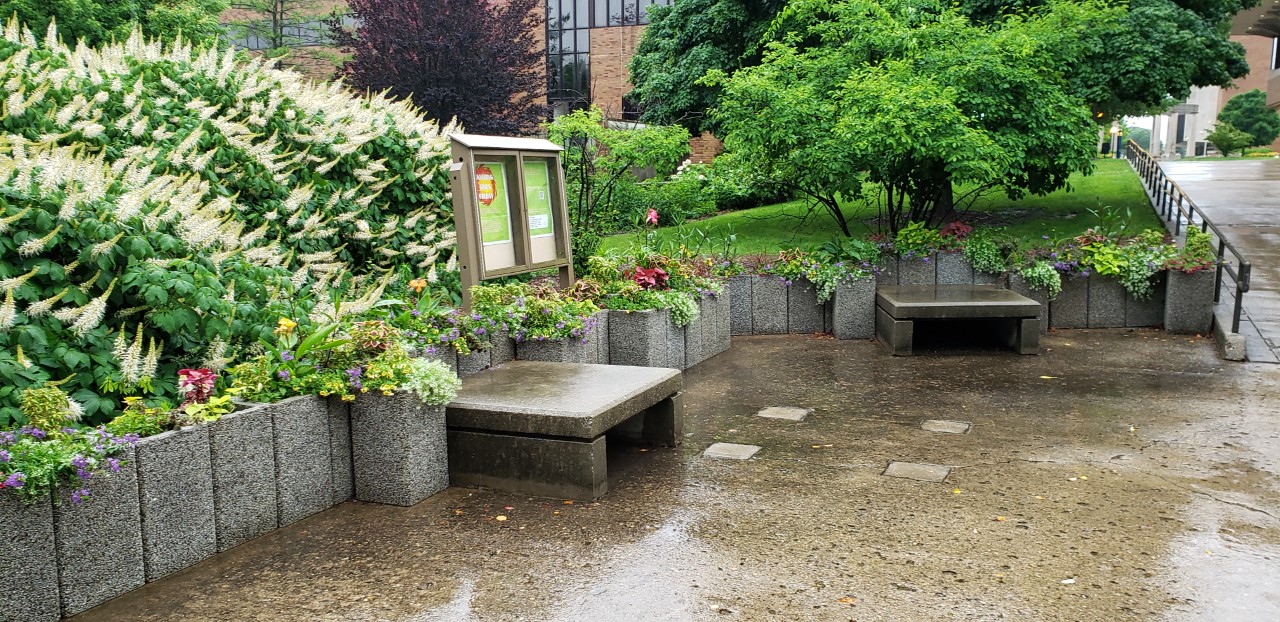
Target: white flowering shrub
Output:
{"points": [[160, 206]]}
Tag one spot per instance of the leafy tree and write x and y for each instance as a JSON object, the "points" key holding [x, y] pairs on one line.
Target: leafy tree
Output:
{"points": [[914, 101], [295, 31], [1140, 135], [598, 159], [1248, 112], [1145, 54], [683, 42], [1227, 138], [100, 21], [465, 59]]}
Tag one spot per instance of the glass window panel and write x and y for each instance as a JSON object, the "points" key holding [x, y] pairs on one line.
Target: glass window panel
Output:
{"points": [[584, 75], [584, 40], [581, 19], [566, 41], [615, 12], [629, 11], [644, 11], [601, 16], [568, 78], [553, 12], [553, 43]]}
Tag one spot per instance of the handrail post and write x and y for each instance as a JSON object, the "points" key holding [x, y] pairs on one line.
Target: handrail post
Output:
{"points": [[1217, 277]]}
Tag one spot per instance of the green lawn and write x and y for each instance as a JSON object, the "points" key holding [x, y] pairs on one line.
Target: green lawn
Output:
{"points": [[1063, 213]]}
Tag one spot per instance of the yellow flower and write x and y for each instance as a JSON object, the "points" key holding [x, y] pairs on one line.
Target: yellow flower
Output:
{"points": [[285, 326], [418, 285]]}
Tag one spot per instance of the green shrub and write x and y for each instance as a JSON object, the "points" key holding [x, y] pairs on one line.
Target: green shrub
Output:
{"points": [[159, 208], [1042, 275], [432, 381]]}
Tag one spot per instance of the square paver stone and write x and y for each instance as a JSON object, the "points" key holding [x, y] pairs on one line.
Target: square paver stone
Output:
{"points": [[731, 451], [946, 427], [917, 471], [790, 413]]}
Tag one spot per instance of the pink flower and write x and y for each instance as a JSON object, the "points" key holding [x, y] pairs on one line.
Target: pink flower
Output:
{"points": [[653, 216]]}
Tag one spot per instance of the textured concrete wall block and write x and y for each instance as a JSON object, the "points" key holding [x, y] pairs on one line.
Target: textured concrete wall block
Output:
{"points": [[175, 491], [853, 309], [398, 447], [1188, 307], [954, 269], [99, 541], [918, 270], [340, 450], [244, 476], [676, 336], [1106, 302], [304, 475], [556, 350], [804, 314], [769, 305], [888, 272], [502, 348], [474, 363], [28, 561], [1071, 308], [639, 337], [1149, 311], [739, 290], [990, 278], [598, 338]]}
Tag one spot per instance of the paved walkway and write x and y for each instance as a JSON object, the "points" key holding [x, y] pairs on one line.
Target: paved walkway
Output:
{"points": [[1242, 197]]}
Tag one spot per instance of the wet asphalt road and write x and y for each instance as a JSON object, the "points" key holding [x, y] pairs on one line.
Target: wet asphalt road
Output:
{"points": [[1120, 475]]}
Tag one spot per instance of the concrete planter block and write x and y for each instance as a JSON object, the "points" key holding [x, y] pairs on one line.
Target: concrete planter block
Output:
{"points": [[99, 542], [769, 305], [1188, 306], [717, 329], [696, 333], [888, 273], [954, 269], [28, 561], [854, 308], [175, 491], [804, 314], [739, 290], [474, 363], [446, 355], [828, 315], [598, 338], [1106, 302], [304, 475], [340, 450], [502, 348], [1018, 285], [556, 350], [1071, 307], [398, 448], [918, 270], [1149, 311], [244, 476], [639, 337], [676, 336], [989, 278]]}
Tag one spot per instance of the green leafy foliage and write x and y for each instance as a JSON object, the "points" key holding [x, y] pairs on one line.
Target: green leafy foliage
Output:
{"points": [[911, 101], [33, 460], [597, 159], [97, 22], [1196, 253], [1227, 138], [160, 208]]}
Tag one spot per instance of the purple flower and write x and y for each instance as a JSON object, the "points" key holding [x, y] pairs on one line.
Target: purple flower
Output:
{"points": [[33, 432], [415, 313], [284, 374], [286, 356], [77, 496], [113, 465], [4, 456], [15, 480], [481, 331], [80, 462], [7, 438], [1044, 237]]}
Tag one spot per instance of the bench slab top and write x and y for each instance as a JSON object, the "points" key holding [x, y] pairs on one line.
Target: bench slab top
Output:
{"points": [[907, 302], [558, 399]]}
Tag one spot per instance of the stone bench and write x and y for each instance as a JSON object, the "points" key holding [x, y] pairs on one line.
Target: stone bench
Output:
{"points": [[539, 428], [898, 307]]}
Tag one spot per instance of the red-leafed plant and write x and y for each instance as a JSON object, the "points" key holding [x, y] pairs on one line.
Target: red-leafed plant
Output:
{"points": [[196, 385], [956, 230], [649, 278], [475, 60]]}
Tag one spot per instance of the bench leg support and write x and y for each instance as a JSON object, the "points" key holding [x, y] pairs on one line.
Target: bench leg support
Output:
{"points": [[545, 467], [661, 424], [896, 334]]}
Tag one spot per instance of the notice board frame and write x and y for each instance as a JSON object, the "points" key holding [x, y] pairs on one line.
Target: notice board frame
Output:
{"points": [[475, 264]]}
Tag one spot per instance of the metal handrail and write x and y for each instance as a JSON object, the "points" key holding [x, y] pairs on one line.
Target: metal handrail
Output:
{"points": [[1174, 205]]}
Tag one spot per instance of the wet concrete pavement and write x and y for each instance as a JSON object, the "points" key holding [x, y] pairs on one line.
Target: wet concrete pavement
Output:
{"points": [[1242, 197], [1121, 475]]}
